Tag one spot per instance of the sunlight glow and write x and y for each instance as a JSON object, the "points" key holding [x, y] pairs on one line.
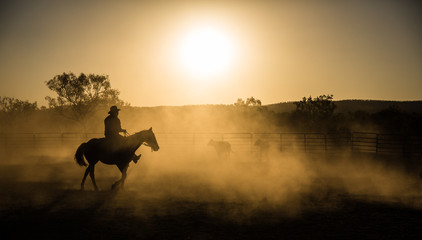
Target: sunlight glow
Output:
{"points": [[206, 52]]}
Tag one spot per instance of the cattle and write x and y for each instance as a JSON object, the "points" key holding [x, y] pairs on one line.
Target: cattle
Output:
{"points": [[222, 148]]}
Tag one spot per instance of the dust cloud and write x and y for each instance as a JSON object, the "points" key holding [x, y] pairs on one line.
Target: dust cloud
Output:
{"points": [[186, 169], [284, 182], [288, 183]]}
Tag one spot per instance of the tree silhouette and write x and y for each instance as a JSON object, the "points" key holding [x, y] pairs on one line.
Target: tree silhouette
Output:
{"points": [[12, 110], [315, 113], [249, 102], [78, 97], [13, 105], [318, 108]]}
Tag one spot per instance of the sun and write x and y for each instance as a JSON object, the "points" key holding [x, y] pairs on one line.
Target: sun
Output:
{"points": [[206, 51]]}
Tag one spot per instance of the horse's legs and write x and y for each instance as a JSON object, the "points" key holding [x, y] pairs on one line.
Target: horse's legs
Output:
{"points": [[88, 169], [92, 175], [121, 181], [124, 175]]}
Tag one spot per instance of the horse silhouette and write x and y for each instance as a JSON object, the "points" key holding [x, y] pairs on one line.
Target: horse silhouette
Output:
{"points": [[222, 148], [99, 149]]}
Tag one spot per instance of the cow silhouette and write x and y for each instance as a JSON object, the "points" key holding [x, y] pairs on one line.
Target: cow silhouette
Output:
{"points": [[222, 148]]}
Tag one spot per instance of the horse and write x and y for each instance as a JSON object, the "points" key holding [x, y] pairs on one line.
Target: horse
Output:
{"points": [[222, 148], [98, 149]]}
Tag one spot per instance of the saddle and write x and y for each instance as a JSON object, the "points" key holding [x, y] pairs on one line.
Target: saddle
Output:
{"points": [[113, 144]]}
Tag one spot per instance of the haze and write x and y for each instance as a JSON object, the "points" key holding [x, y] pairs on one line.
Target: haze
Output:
{"points": [[344, 169]]}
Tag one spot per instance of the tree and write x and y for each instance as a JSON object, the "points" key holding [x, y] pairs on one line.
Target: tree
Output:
{"points": [[249, 102], [315, 113], [320, 107], [78, 97], [253, 102], [13, 110], [393, 120], [13, 105], [239, 103]]}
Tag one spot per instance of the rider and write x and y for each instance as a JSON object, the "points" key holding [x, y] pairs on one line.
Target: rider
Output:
{"points": [[113, 128]]}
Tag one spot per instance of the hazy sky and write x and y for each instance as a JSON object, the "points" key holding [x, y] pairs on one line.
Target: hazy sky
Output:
{"points": [[273, 50]]}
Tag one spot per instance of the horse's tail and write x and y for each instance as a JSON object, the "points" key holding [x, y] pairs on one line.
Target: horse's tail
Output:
{"points": [[79, 155]]}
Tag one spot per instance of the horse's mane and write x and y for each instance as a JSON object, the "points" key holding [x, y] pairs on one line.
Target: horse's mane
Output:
{"points": [[140, 132]]}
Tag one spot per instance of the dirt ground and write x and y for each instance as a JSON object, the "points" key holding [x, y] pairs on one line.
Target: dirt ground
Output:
{"points": [[43, 201]]}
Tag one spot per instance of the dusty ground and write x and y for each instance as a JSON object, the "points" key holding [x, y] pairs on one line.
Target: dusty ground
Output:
{"points": [[43, 201]]}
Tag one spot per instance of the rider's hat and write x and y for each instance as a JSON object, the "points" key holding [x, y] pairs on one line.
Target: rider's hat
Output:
{"points": [[113, 109]]}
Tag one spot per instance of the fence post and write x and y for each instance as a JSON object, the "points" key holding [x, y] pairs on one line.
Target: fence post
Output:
{"points": [[376, 144]]}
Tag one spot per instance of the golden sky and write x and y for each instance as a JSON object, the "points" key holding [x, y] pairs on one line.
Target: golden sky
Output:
{"points": [[213, 52]]}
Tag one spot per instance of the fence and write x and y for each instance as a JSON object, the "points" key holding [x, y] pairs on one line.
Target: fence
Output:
{"points": [[241, 142]]}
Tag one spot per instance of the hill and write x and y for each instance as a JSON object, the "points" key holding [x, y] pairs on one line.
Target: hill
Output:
{"points": [[370, 106]]}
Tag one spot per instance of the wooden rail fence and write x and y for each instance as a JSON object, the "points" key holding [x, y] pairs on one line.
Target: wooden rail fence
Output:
{"points": [[241, 142]]}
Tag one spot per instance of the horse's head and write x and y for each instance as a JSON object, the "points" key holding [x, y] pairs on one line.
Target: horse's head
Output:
{"points": [[149, 139]]}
